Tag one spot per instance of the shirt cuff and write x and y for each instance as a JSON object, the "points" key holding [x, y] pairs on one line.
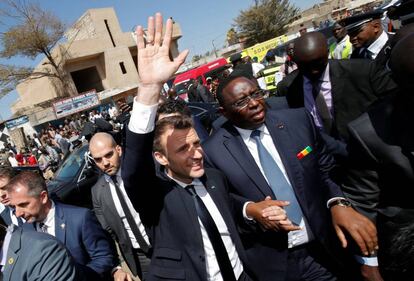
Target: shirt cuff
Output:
{"points": [[245, 216], [115, 269], [331, 200], [370, 261], [142, 119]]}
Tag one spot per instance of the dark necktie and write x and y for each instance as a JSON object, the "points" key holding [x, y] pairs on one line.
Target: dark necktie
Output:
{"points": [[321, 107], [213, 233], [42, 227], [277, 181], [137, 233]]}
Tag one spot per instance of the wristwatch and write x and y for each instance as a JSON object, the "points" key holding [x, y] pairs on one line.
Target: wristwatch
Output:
{"points": [[340, 202]]}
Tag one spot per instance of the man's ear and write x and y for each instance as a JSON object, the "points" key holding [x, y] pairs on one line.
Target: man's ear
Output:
{"points": [[161, 159], [44, 197], [118, 149]]}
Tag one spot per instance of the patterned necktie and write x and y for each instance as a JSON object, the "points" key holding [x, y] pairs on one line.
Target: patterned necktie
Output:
{"points": [[43, 227], [277, 181]]}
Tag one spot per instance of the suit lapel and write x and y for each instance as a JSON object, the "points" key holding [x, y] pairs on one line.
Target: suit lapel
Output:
{"points": [[337, 86], [109, 204], [295, 96], [60, 223], [12, 254], [237, 148], [282, 140]]}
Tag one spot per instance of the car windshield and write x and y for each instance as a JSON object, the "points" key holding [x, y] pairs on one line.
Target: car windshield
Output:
{"points": [[71, 166]]}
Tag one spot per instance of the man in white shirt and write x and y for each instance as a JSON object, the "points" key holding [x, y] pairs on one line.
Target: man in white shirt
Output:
{"points": [[109, 208], [185, 206], [367, 35]]}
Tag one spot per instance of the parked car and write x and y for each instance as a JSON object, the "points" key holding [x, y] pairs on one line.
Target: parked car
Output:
{"points": [[74, 179]]}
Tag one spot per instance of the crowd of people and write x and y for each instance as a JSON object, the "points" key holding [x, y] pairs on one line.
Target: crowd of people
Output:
{"points": [[313, 184]]}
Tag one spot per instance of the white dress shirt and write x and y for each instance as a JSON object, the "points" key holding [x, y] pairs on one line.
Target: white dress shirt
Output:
{"points": [[325, 89], [295, 238], [5, 247], [49, 222], [213, 269], [131, 208], [377, 45], [141, 122]]}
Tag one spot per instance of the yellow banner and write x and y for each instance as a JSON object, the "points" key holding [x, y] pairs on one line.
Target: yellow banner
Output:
{"points": [[259, 50]]}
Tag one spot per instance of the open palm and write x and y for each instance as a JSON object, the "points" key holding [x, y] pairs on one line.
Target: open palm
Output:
{"points": [[154, 63]]}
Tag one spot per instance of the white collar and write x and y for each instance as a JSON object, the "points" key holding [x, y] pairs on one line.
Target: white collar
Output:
{"points": [[377, 45], [246, 133], [108, 177], [49, 220], [182, 184]]}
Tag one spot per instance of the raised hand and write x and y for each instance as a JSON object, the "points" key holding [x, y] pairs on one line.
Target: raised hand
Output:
{"points": [[154, 64]]}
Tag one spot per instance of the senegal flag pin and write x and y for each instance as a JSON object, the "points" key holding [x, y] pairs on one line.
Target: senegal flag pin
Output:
{"points": [[304, 152]]}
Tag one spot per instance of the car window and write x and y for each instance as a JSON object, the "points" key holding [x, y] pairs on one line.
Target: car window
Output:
{"points": [[72, 165]]}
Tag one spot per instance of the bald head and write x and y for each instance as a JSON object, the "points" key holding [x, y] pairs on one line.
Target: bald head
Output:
{"points": [[402, 63], [106, 153], [100, 139], [311, 54]]}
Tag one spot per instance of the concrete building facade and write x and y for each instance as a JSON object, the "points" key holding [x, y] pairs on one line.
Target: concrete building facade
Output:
{"points": [[97, 55]]}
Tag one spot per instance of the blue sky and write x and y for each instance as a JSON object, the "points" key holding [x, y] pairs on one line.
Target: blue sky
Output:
{"points": [[201, 22]]}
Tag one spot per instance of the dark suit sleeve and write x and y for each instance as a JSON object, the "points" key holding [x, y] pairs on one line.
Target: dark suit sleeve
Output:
{"points": [[138, 170], [381, 81], [360, 183], [53, 262], [97, 244], [326, 163]]}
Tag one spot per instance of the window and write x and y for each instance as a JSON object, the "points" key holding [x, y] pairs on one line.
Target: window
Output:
{"points": [[109, 31], [123, 69]]}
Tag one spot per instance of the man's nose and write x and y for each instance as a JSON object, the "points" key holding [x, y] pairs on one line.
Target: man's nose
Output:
{"points": [[18, 213]]}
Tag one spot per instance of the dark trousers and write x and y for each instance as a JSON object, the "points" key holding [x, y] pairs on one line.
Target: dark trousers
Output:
{"points": [[305, 264]]}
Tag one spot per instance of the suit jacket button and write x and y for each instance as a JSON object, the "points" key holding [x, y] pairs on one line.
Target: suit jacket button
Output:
{"points": [[202, 258]]}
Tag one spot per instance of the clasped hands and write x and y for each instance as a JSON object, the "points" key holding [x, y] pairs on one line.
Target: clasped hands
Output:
{"points": [[271, 215]]}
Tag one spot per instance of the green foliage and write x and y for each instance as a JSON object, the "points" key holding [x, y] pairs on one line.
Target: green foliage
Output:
{"points": [[264, 20], [232, 37]]}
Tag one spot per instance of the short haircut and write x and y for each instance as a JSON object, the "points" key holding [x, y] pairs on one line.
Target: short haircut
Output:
{"points": [[34, 183], [174, 106], [7, 171], [178, 122], [223, 84]]}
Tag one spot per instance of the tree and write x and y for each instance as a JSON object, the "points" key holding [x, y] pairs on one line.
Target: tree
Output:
{"points": [[32, 32], [232, 37], [264, 20]]}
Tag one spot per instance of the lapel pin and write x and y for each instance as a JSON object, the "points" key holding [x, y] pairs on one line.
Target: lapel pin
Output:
{"points": [[10, 261], [304, 152], [213, 187], [62, 226], [280, 125]]}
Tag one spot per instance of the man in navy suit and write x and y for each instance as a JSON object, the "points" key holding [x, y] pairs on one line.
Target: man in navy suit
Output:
{"points": [[269, 155], [185, 207], [77, 228]]}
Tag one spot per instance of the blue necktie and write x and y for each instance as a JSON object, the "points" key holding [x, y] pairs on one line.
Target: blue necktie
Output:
{"points": [[277, 181]]}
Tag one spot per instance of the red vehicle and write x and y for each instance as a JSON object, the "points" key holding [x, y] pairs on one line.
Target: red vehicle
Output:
{"points": [[211, 69]]}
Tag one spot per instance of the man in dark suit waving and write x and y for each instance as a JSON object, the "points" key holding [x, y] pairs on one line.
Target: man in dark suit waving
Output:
{"points": [[185, 207], [279, 155]]}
